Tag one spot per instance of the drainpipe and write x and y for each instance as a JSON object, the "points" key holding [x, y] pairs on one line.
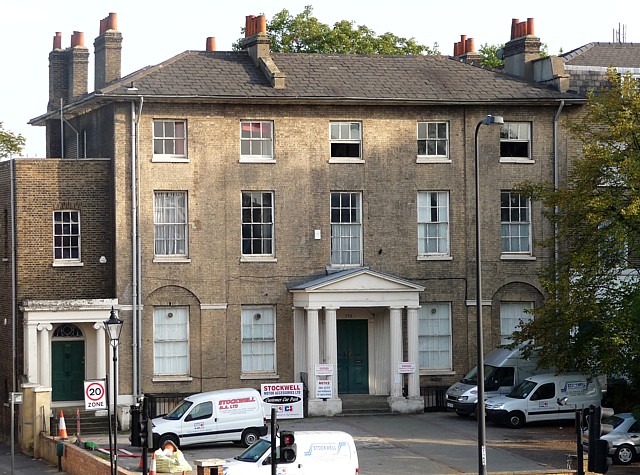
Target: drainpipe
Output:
{"points": [[556, 178], [134, 251], [139, 253], [13, 274]]}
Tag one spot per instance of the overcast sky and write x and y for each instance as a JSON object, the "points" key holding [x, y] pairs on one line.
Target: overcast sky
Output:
{"points": [[155, 31]]}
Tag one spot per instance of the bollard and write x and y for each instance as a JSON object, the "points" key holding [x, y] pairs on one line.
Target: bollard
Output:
{"points": [[60, 453]]}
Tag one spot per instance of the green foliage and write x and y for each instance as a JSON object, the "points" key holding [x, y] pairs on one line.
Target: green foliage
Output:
{"points": [[304, 33], [591, 318], [10, 143], [489, 55]]}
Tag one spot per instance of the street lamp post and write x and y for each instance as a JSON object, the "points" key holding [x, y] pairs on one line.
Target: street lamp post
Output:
{"points": [[114, 327], [482, 435]]}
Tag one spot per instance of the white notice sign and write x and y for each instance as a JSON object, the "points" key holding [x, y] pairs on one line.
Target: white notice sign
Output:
{"points": [[324, 370], [324, 389], [406, 367]]}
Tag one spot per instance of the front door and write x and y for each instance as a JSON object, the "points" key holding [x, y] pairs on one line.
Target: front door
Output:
{"points": [[67, 370], [353, 352]]}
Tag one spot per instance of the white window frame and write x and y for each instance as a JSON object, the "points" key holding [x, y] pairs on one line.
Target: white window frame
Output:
{"points": [[167, 137], [171, 224], [433, 224], [259, 220], [511, 220], [342, 133], [516, 133], [510, 315], [435, 337], [255, 136], [429, 133], [346, 236], [67, 237], [258, 340], [171, 346]]}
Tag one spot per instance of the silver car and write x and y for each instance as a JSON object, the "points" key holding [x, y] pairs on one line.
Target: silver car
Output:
{"points": [[624, 439]]}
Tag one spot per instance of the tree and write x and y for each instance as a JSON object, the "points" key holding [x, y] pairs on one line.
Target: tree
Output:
{"points": [[489, 55], [591, 318], [304, 33], [10, 143]]}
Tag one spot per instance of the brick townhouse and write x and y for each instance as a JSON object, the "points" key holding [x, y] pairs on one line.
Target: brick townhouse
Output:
{"points": [[250, 215]]}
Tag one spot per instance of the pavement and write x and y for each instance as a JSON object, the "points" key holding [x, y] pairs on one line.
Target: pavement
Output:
{"points": [[22, 464], [431, 443]]}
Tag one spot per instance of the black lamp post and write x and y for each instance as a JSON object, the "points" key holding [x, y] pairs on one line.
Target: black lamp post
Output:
{"points": [[482, 434], [114, 328]]}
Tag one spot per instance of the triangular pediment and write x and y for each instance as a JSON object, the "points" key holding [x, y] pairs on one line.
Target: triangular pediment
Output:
{"points": [[359, 280]]}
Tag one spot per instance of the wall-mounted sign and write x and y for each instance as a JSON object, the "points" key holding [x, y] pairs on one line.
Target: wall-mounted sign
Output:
{"points": [[324, 389], [406, 367], [324, 370]]}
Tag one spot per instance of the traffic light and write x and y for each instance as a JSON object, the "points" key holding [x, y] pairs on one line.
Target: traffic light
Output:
{"points": [[146, 433], [287, 447], [598, 449], [135, 426]]}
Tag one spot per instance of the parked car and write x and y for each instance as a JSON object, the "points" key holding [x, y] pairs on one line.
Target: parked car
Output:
{"points": [[623, 440]]}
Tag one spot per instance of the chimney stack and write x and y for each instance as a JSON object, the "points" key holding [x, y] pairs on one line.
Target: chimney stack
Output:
{"points": [[522, 49], [77, 67], [256, 42], [108, 52], [465, 50]]}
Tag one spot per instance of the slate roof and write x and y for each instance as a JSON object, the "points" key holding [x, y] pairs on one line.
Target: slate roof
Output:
{"points": [[622, 55], [332, 77]]}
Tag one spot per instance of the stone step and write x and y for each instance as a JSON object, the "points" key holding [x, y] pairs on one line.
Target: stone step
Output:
{"points": [[89, 422], [364, 404]]}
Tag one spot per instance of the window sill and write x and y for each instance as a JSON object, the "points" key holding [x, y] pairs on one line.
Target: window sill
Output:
{"points": [[67, 264], [436, 372], [259, 376], [517, 257], [171, 260], [423, 159], [258, 259], [256, 160], [170, 379], [160, 159], [516, 160], [345, 160], [435, 258]]}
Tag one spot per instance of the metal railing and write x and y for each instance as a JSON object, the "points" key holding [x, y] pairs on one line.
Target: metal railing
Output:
{"points": [[161, 404], [434, 398]]}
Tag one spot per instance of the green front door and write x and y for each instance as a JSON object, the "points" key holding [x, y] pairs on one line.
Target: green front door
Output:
{"points": [[353, 362], [67, 370]]}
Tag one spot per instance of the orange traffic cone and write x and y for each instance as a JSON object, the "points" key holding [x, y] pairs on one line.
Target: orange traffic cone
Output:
{"points": [[152, 468], [62, 428]]}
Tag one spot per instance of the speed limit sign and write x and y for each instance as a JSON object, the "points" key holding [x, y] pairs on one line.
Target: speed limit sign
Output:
{"points": [[95, 395]]}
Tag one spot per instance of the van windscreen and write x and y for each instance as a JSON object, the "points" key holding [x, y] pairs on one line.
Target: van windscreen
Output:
{"points": [[178, 411], [253, 453], [522, 390]]}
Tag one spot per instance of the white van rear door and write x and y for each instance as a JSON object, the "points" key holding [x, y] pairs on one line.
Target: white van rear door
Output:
{"points": [[199, 424], [542, 404]]}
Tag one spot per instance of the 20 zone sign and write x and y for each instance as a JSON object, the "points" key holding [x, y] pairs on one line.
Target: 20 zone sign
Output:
{"points": [[95, 397]]}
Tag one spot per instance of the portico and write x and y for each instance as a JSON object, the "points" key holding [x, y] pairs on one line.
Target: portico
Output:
{"points": [[350, 323]]}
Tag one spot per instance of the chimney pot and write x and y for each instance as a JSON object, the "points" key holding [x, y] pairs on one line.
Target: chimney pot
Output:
{"points": [[470, 46], [261, 23], [57, 40], [77, 39], [530, 26], [248, 29], [463, 43], [514, 23], [112, 21], [211, 44]]}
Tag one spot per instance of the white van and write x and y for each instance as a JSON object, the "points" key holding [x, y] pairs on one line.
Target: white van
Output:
{"points": [[317, 453], [545, 397], [235, 415], [503, 369]]}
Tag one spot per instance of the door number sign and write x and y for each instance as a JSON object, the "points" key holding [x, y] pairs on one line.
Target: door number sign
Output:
{"points": [[95, 396]]}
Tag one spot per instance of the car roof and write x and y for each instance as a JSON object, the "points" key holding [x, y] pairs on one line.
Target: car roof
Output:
{"points": [[222, 393]]}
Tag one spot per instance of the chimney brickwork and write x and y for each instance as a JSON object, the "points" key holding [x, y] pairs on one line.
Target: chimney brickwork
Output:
{"points": [[108, 53], [257, 44], [521, 50], [77, 67]]}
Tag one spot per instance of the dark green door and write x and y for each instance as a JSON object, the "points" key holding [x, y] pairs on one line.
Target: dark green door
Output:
{"points": [[67, 370], [353, 362]]}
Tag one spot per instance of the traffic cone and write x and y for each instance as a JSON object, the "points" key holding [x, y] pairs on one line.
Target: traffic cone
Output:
{"points": [[62, 428], [152, 468]]}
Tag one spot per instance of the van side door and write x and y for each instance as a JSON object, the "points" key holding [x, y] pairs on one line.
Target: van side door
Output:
{"points": [[542, 404], [199, 425]]}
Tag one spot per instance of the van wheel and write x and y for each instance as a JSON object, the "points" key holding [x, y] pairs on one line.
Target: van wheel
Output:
{"points": [[168, 438], [515, 419], [624, 455], [249, 436]]}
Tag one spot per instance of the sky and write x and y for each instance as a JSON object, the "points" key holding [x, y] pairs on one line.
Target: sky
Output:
{"points": [[155, 31]]}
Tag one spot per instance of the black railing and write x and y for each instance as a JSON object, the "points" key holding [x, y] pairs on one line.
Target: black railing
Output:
{"points": [[434, 398], [161, 404]]}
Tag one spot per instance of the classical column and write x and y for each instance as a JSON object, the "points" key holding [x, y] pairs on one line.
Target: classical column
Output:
{"points": [[31, 352], [395, 337], [299, 343], [331, 345], [313, 350], [101, 355], [44, 354], [412, 351]]}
